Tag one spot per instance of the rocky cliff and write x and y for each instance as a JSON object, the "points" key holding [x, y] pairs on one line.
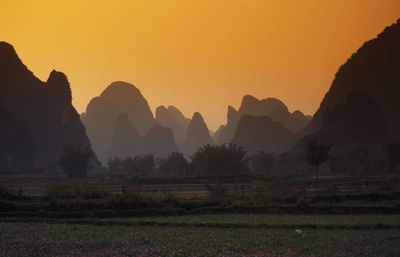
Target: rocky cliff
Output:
{"points": [[43, 108], [197, 135], [375, 70]]}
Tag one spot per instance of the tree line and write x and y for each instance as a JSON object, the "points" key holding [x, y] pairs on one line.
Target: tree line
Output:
{"points": [[226, 159]]}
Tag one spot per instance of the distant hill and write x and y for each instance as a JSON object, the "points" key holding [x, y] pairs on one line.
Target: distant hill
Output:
{"points": [[172, 118], [261, 133], [39, 114], [271, 107], [102, 112], [159, 141], [197, 135], [126, 140]]}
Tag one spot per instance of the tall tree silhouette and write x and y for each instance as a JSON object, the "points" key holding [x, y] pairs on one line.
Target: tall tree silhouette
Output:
{"points": [[317, 153], [75, 160]]}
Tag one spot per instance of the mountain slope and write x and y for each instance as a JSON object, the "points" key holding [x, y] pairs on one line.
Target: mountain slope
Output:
{"points": [[375, 70], [197, 135], [102, 113], [271, 107], [43, 107], [261, 133]]}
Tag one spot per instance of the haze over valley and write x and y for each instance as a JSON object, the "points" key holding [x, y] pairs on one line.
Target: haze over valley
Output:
{"points": [[200, 128]]}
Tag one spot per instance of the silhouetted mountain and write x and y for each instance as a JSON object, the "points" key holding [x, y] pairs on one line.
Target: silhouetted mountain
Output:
{"points": [[178, 116], [160, 141], [174, 120], [261, 133], [42, 107], [360, 114], [374, 69], [271, 107], [102, 112], [217, 133], [197, 135], [16, 143], [358, 120], [226, 132], [126, 141]]}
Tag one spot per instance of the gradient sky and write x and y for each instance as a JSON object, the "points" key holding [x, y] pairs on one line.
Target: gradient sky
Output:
{"points": [[197, 55]]}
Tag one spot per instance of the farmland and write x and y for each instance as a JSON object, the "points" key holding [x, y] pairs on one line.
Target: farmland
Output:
{"points": [[204, 216], [36, 239]]}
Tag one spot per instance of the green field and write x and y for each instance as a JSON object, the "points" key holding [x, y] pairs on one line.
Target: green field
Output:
{"points": [[268, 215], [266, 219], [62, 239]]}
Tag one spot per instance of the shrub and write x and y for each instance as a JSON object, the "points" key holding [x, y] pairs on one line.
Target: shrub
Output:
{"points": [[217, 193], [220, 159], [75, 161], [143, 164], [393, 157], [115, 164], [262, 162], [175, 163]]}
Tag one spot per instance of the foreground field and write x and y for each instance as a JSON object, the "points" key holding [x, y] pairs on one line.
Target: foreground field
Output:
{"points": [[200, 216], [293, 220], [61, 239]]}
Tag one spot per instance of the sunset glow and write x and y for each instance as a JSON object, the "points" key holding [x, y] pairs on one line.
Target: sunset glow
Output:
{"points": [[196, 55]]}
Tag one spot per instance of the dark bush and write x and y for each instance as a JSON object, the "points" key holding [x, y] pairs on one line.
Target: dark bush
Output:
{"points": [[115, 164], [143, 164], [175, 163], [263, 162], [218, 193], [75, 160], [220, 159], [393, 157]]}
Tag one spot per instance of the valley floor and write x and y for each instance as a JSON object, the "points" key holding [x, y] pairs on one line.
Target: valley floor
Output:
{"points": [[204, 235]]}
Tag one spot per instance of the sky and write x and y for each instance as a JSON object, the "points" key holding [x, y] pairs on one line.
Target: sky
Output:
{"points": [[196, 55]]}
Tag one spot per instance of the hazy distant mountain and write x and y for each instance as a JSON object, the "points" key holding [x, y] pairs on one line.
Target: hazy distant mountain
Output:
{"points": [[172, 118], [364, 96], [126, 141], [217, 133], [271, 107], [197, 135], [178, 116], [261, 133], [102, 112], [160, 141], [42, 107]]}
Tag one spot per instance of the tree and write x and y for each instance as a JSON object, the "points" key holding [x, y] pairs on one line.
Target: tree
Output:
{"points": [[262, 162], [143, 164], [220, 159], [115, 164], [393, 157], [75, 160], [175, 163], [317, 153]]}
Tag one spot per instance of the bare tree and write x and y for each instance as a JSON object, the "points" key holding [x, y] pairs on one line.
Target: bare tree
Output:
{"points": [[317, 153]]}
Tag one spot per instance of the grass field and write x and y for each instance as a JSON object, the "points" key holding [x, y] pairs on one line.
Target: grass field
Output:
{"points": [[207, 216], [255, 219], [61, 239]]}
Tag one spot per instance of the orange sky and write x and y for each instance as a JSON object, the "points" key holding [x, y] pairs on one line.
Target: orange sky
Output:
{"points": [[197, 55]]}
